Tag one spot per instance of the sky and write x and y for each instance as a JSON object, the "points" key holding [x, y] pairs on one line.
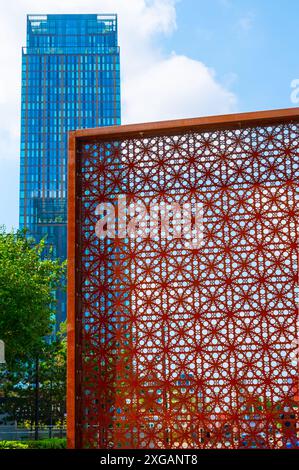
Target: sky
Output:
{"points": [[179, 58]]}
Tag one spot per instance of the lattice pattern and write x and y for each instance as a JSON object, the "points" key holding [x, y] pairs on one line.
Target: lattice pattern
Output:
{"points": [[183, 348]]}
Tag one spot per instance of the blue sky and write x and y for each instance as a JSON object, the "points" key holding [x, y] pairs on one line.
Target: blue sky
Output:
{"points": [[182, 58], [254, 40]]}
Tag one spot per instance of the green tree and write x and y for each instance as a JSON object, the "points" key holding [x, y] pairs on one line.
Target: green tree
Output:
{"points": [[18, 386], [32, 385], [53, 380], [27, 304]]}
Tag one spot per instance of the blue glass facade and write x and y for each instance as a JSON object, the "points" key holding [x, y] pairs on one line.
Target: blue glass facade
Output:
{"points": [[70, 80]]}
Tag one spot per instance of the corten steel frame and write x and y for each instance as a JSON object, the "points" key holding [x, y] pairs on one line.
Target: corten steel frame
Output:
{"points": [[219, 367]]}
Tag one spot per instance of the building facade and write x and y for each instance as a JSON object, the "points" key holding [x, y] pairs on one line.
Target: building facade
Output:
{"points": [[70, 80]]}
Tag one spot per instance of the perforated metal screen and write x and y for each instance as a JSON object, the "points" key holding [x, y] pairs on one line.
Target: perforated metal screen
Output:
{"points": [[179, 346]]}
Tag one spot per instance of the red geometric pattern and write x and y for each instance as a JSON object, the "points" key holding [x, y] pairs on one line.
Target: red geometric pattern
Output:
{"points": [[191, 348]]}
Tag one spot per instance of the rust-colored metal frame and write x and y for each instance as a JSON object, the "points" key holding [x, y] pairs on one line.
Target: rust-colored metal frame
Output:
{"points": [[210, 123]]}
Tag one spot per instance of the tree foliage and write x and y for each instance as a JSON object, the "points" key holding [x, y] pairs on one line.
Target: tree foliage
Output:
{"points": [[18, 386], [28, 279], [27, 286]]}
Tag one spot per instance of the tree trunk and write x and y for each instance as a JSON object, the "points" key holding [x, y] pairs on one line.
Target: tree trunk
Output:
{"points": [[36, 400], [51, 414]]}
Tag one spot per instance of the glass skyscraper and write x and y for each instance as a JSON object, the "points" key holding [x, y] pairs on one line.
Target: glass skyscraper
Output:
{"points": [[70, 80]]}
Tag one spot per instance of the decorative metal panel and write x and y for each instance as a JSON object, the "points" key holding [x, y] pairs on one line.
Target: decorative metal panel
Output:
{"points": [[183, 346]]}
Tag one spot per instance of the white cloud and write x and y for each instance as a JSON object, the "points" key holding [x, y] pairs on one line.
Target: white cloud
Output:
{"points": [[155, 85], [175, 87], [246, 22]]}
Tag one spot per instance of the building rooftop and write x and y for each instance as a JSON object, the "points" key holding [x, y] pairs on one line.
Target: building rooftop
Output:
{"points": [[50, 32]]}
